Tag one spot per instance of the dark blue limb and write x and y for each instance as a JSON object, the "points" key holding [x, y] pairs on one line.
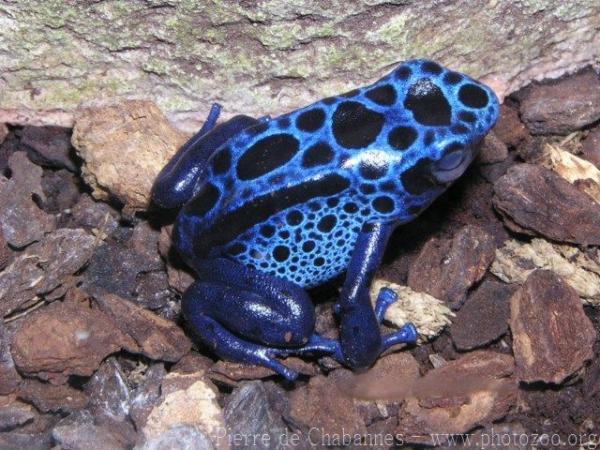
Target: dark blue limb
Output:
{"points": [[360, 339], [385, 299], [246, 315], [176, 182]]}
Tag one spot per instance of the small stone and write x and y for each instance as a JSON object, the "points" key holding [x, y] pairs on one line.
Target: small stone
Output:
{"points": [[509, 128], [9, 378], [591, 147], [552, 336], [21, 220], [14, 415], [109, 392], [87, 436], [493, 150], [123, 147], [47, 397], [562, 106], [484, 316], [473, 390], [97, 217], [50, 146], [16, 440], [177, 437], [446, 269], [154, 337], [324, 409], [64, 339], [185, 399], [249, 413], [146, 394], [61, 189], [44, 269], [532, 199]]}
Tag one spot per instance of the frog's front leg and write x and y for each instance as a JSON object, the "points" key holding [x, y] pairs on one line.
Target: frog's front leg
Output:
{"points": [[177, 181], [360, 340], [248, 316]]}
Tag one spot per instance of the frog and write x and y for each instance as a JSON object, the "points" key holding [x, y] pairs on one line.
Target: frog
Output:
{"points": [[269, 208]]}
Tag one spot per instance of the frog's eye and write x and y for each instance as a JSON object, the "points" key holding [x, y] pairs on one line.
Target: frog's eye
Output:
{"points": [[451, 160], [452, 165]]}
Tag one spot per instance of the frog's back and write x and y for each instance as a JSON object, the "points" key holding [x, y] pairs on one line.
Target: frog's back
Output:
{"points": [[289, 196]]}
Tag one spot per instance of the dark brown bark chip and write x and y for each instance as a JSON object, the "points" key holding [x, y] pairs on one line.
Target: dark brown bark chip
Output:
{"points": [[321, 407], [154, 337], [552, 336], [50, 146], [509, 128], [92, 215], [591, 147], [44, 269], [446, 269], [562, 106], [21, 219], [484, 316], [65, 339], [493, 150], [47, 397], [62, 190], [534, 199], [115, 269], [459, 396]]}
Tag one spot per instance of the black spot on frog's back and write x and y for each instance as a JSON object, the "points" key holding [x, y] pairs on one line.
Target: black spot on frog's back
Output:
{"points": [[428, 103], [356, 126], [317, 155], [311, 120], [473, 96], [382, 95], [266, 155]]}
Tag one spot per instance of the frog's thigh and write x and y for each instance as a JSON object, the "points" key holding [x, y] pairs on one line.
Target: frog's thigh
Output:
{"points": [[261, 308]]}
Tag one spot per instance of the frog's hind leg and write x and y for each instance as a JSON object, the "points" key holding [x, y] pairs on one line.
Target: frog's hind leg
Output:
{"points": [[248, 316], [177, 181]]}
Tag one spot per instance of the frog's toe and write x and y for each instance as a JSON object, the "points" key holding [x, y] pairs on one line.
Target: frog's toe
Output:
{"points": [[385, 299], [406, 335]]}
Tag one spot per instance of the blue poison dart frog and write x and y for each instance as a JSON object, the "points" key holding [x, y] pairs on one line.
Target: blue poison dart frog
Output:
{"points": [[272, 206]]}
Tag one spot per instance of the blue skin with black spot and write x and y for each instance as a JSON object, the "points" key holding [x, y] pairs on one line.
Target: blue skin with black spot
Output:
{"points": [[270, 207]]}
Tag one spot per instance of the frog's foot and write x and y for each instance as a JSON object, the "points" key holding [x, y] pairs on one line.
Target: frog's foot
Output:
{"points": [[231, 347], [407, 334], [320, 345]]}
